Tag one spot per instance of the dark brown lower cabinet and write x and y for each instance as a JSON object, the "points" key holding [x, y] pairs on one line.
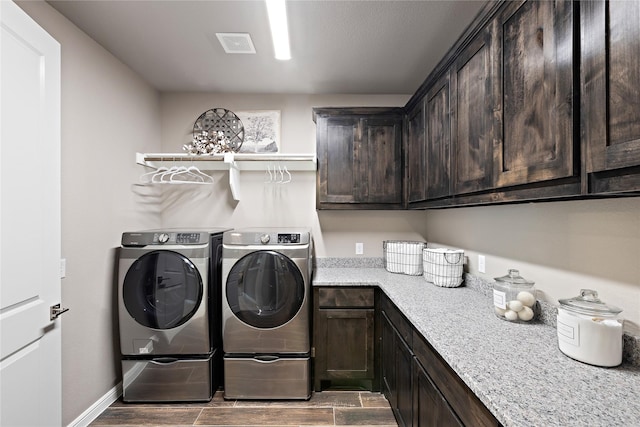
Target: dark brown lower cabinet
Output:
{"points": [[430, 408], [396, 372], [404, 356], [421, 387], [345, 338], [388, 381], [361, 340]]}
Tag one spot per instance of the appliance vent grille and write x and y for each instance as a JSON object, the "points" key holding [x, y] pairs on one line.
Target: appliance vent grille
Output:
{"points": [[236, 42]]}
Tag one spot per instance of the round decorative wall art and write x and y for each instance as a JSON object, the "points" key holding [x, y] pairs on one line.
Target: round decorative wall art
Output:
{"points": [[216, 131]]}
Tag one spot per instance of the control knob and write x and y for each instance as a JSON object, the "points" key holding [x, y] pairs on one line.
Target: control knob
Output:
{"points": [[264, 239], [163, 238]]}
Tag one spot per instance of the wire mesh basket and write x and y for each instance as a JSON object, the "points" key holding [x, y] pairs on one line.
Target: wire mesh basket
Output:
{"points": [[443, 267], [401, 256]]}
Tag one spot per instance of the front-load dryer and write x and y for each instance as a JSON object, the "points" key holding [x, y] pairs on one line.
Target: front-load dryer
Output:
{"points": [[266, 312], [169, 314]]}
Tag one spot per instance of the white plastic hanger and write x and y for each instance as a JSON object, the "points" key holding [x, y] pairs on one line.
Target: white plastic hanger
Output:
{"points": [[288, 180], [147, 178], [205, 178], [190, 175], [270, 179], [163, 177]]}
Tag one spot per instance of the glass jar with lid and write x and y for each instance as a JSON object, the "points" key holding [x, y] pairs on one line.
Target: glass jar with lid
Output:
{"points": [[514, 298], [589, 330]]}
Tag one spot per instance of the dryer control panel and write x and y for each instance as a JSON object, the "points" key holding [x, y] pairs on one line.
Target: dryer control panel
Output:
{"points": [[267, 237], [279, 238]]}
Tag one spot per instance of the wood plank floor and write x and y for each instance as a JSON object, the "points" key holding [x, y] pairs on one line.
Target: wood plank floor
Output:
{"points": [[327, 408]]}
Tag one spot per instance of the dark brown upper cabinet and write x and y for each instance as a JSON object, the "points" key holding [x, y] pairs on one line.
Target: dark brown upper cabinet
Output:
{"points": [[498, 111], [415, 154], [473, 122], [438, 139], [360, 164], [535, 75], [537, 100], [610, 72]]}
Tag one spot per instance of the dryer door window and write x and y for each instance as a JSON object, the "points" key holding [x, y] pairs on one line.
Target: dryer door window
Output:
{"points": [[162, 289], [265, 289]]}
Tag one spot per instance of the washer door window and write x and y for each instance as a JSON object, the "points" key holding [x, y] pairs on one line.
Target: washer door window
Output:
{"points": [[162, 289], [265, 289]]}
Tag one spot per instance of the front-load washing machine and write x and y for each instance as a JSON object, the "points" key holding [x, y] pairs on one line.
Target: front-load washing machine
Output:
{"points": [[266, 312], [169, 314]]}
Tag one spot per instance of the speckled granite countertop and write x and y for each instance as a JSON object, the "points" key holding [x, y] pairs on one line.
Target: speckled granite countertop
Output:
{"points": [[516, 370]]}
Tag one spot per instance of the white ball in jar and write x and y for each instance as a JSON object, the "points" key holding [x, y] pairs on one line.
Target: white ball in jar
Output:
{"points": [[499, 311], [525, 314], [510, 315], [515, 305], [526, 298]]}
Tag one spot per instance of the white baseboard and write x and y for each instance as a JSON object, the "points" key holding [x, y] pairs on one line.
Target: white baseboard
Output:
{"points": [[98, 407]]}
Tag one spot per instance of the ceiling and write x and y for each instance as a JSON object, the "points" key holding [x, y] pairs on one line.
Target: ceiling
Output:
{"points": [[337, 47]]}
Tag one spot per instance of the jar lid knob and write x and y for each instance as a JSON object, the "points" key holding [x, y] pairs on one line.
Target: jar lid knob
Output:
{"points": [[589, 294], [513, 278]]}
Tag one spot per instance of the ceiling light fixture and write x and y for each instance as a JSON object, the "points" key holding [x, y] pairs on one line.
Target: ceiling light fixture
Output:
{"points": [[277, 11]]}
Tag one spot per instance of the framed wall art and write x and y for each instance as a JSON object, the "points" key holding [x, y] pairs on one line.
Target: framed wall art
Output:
{"points": [[261, 131]]}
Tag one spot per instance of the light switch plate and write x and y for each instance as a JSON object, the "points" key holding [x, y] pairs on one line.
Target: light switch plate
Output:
{"points": [[359, 248]]}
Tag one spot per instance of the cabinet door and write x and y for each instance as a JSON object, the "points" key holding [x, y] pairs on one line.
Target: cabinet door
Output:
{"points": [[536, 64], [360, 164], [344, 337], [337, 156], [348, 344], [404, 356], [396, 373], [380, 160], [415, 158], [388, 366], [458, 396], [430, 408], [610, 60], [473, 115], [438, 140]]}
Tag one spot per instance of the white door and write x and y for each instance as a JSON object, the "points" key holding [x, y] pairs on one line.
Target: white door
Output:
{"points": [[30, 350]]}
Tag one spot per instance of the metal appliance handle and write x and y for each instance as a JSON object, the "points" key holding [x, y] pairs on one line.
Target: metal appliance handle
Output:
{"points": [[266, 358], [164, 361]]}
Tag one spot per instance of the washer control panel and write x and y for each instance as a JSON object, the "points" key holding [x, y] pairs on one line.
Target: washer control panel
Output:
{"points": [[160, 238], [187, 238], [289, 238], [176, 238]]}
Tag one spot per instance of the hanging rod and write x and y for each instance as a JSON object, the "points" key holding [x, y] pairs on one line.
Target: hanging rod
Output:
{"points": [[238, 157]]}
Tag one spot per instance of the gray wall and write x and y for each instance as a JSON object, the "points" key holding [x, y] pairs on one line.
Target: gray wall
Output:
{"points": [[562, 246], [108, 113]]}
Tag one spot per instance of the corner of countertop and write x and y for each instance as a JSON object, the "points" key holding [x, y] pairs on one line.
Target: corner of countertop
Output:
{"points": [[547, 312]]}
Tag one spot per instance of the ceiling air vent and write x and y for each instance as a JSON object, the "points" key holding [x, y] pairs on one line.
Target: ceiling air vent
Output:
{"points": [[236, 42]]}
